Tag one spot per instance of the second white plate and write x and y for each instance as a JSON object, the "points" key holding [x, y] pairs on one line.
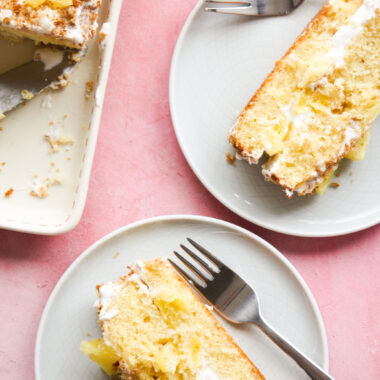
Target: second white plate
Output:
{"points": [[286, 301], [219, 62]]}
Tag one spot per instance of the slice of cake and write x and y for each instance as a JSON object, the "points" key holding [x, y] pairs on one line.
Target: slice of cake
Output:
{"points": [[319, 100], [70, 23], [155, 327]]}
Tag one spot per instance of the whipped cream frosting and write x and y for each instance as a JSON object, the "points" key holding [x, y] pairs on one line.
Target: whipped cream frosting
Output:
{"points": [[354, 27], [207, 374], [49, 57], [107, 294]]}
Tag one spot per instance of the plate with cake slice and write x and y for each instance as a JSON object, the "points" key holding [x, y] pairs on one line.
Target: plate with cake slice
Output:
{"points": [[277, 116], [122, 311], [55, 59]]}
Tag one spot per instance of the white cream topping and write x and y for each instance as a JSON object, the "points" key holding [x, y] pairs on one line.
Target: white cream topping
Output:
{"points": [[346, 33], [107, 293], [49, 57], [46, 23], [352, 133], [5, 13], [207, 374], [138, 276]]}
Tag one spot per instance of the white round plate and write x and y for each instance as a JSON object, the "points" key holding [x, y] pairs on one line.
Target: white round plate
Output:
{"points": [[69, 316], [219, 62]]}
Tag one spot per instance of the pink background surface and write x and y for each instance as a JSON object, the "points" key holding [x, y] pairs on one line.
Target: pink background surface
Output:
{"points": [[127, 186]]}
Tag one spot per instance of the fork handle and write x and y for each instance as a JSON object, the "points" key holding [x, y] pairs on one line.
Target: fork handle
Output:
{"points": [[313, 370]]}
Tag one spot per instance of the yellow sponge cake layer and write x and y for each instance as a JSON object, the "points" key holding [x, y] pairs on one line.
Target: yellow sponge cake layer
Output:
{"points": [[155, 327], [69, 23], [319, 100]]}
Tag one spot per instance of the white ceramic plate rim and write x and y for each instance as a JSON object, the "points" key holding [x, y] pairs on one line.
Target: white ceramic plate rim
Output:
{"points": [[195, 218], [251, 218], [83, 182]]}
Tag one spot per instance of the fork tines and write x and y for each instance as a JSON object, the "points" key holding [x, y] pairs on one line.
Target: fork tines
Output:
{"points": [[237, 7], [198, 278]]}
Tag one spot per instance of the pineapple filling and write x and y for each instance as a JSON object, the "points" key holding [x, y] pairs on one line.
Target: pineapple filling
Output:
{"points": [[105, 356], [51, 3]]}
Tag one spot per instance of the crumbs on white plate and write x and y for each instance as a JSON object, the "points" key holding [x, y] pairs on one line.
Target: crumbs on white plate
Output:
{"points": [[56, 138], [27, 95]]}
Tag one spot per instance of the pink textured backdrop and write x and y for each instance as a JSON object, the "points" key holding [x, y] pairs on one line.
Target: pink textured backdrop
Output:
{"points": [[127, 186]]}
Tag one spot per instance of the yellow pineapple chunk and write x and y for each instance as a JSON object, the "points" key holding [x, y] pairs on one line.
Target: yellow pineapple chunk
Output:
{"points": [[102, 354], [35, 3], [167, 359], [325, 183], [357, 153], [60, 3]]}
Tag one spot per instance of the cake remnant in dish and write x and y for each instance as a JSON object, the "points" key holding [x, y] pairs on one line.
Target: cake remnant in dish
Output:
{"points": [[155, 327], [70, 23], [40, 188], [56, 138], [317, 105], [9, 192], [103, 34], [27, 95], [49, 57]]}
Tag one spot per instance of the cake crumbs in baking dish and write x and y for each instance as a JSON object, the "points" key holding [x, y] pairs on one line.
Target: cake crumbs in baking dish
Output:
{"points": [[27, 95], [89, 89], [9, 192], [55, 137], [39, 188], [334, 184]]}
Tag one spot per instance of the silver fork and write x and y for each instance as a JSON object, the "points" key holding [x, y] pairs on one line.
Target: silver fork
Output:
{"points": [[252, 7], [235, 300]]}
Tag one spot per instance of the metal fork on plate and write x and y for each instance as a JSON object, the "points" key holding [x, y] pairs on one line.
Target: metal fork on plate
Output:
{"points": [[235, 300], [252, 7]]}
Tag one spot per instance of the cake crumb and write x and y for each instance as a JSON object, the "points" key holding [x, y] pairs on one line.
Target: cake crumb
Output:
{"points": [[55, 139], [116, 255], [27, 95], [351, 173], [1, 128], [9, 192], [230, 158], [57, 179], [39, 189], [88, 334], [89, 89], [334, 184], [3, 164], [1, 116]]}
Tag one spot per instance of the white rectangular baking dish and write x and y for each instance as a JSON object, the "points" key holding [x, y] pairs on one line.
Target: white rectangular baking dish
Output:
{"points": [[25, 155]]}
